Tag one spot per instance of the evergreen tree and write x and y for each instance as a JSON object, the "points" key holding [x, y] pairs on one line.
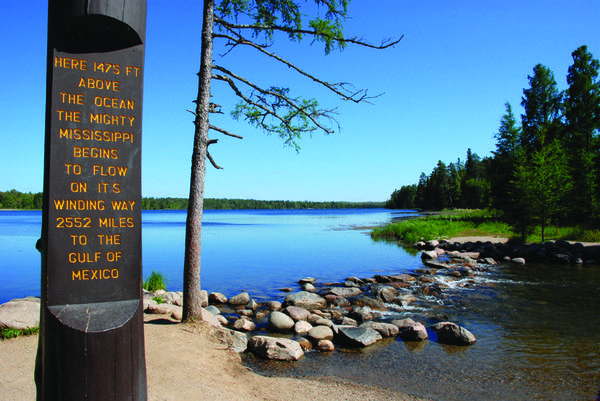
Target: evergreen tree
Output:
{"points": [[582, 120], [505, 161], [542, 102]]}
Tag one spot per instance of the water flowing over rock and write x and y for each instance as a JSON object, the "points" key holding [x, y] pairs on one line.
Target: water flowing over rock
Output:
{"points": [[306, 300], [358, 336], [280, 349], [453, 334]]}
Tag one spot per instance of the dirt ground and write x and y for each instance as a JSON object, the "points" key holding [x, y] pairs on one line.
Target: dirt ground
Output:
{"points": [[184, 362]]}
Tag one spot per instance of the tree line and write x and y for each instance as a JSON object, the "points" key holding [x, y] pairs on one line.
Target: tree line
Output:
{"points": [[14, 199], [545, 169]]}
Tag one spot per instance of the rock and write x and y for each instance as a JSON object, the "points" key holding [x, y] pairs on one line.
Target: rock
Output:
{"points": [[403, 324], [371, 303], [325, 346], [404, 300], [232, 339], [274, 305], [213, 309], [302, 327], [208, 317], [349, 283], [20, 314], [280, 349], [385, 329], [310, 280], [252, 305], [387, 293], [244, 325], [305, 344], [358, 336], [354, 280], [429, 255], [279, 321], [453, 334], [203, 298], [306, 300], [321, 321], [223, 320], [361, 314], [346, 321], [162, 309], [177, 314], [320, 333], [240, 299], [345, 292], [308, 287], [519, 261], [297, 313], [217, 298], [245, 312], [416, 332]]}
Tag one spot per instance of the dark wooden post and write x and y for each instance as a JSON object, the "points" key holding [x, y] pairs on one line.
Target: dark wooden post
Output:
{"points": [[91, 328]]}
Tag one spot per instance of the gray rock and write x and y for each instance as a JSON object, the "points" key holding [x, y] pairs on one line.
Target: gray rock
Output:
{"points": [[346, 321], [280, 349], [429, 255], [387, 293], [385, 329], [232, 339], [297, 313], [306, 300], [274, 305], [203, 298], [279, 321], [453, 334], [240, 299], [416, 332], [320, 333], [20, 314], [310, 280], [361, 314], [371, 303], [308, 287], [213, 309], [519, 261], [358, 336]]}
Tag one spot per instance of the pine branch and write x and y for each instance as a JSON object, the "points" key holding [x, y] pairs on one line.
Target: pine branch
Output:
{"points": [[298, 31], [338, 88], [222, 131], [212, 161]]}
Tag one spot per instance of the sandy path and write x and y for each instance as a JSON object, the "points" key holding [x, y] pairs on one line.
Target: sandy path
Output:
{"points": [[185, 363]]}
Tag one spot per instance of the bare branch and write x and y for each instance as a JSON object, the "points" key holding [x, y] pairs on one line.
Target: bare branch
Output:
{"points": [[211, 141], [222, 131], [338, 88], [384, 45], [212, 161]]}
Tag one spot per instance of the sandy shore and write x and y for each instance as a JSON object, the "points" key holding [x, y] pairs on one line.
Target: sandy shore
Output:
{"points": [[184, 362]]}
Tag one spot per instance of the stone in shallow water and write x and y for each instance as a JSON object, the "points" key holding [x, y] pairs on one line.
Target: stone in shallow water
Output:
{"points": [[358, 336], [453, 334], [279, 321], [306, 300]]}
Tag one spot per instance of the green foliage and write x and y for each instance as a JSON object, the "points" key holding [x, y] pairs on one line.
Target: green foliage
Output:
{"points": [[7, 333], [14, 199], [447, 225], [158, 300], [156, 281]]}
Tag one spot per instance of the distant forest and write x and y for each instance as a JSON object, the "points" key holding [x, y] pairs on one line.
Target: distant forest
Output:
{"points": [[545, 169], [18, 200]]}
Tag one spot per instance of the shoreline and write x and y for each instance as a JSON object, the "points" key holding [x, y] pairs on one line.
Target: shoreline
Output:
{"points": [[184, 362]]}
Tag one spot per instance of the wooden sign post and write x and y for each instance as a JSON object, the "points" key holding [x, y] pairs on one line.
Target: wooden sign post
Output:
{"points": [[91, 330]]}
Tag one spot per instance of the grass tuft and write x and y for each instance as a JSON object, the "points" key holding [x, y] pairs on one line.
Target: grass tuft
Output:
{"points": [[156, 281], [7, 332]]}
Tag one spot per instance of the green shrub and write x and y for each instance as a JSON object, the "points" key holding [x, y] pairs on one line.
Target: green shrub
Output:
{"points": [[7, 333], [156, 281], [158, 300]]}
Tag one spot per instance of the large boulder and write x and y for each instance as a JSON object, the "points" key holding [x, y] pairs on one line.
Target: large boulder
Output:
{"points": [[279, 321], [20, 314], [280, 349], [306, 300], [358, 336], [345, 292], [453, 334]]}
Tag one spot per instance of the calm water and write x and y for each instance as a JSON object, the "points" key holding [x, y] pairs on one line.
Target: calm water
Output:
{"points": [[537, 326]]}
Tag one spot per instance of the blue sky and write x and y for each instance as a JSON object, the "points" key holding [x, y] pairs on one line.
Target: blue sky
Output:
{"points": [[444, 87]]}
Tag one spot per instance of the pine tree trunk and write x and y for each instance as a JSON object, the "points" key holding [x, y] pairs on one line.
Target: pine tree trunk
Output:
{"points": [[191, 268]]}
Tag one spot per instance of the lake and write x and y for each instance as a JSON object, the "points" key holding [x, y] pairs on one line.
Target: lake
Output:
{"points": [[537, 326]]}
